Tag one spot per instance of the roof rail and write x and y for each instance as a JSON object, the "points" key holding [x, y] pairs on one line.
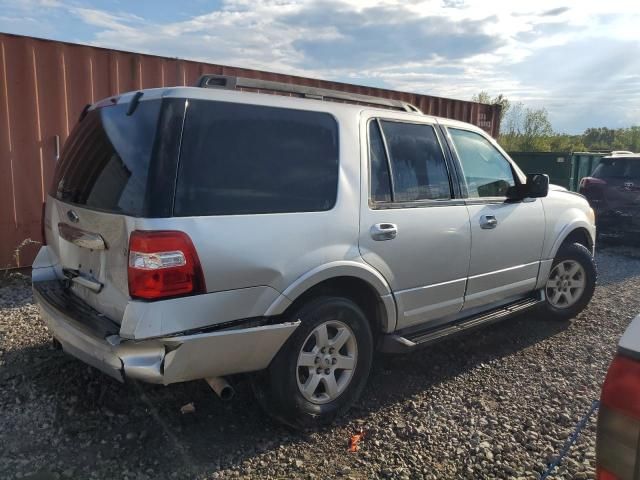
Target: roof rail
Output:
{"points": [[621, 152], [230, 82]]}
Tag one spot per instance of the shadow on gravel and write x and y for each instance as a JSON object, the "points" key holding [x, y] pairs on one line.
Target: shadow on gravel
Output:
{"points": [[399, 376], [88, 422], [623, 259], [15, 290]]}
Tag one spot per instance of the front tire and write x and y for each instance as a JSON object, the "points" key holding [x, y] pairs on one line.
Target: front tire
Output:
{"points": [[322, 368], [571, 282]]}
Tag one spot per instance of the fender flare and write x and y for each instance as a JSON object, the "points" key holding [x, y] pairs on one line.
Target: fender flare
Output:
{"points": [[547, 261], [567, 230], [342, 268]]}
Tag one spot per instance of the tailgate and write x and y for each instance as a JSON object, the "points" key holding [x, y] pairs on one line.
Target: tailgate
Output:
{"points": [[104, 180], [91, 252]]}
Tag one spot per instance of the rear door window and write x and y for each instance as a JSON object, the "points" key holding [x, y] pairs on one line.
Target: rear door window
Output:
{"points": [[418, 167], [249, 159], [105, 161]]}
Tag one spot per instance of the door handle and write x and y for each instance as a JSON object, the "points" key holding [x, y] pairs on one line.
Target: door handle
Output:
{"points": [[488, 221], [384, 231]]}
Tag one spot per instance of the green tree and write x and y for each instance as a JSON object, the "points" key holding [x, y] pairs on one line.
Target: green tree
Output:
{"points": [[566, 143], [529, 129], [484, 97], [526, 129], [536, 130]]}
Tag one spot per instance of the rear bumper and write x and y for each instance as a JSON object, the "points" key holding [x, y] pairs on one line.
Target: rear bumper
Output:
{"points": [[618, 223], [94, 339]]}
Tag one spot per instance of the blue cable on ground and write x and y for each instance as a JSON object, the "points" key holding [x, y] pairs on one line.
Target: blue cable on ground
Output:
{"points": [[570, 441]]}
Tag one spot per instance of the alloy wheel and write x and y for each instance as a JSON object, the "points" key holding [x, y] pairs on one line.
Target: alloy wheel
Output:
{"points": [[326, 362], [566, 284]]}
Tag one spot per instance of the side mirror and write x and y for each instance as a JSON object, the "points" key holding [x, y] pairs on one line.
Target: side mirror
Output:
{"points": [[537, 185]]}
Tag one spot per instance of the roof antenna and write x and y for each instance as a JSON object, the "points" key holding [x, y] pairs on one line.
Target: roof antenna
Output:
{"points": [[133, 104]]}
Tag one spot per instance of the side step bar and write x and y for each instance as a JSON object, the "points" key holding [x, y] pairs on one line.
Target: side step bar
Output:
{"points": [[399, 343]]}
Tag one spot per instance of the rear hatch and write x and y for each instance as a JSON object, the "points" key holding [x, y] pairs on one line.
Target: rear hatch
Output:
{"points": [[113, 168]]}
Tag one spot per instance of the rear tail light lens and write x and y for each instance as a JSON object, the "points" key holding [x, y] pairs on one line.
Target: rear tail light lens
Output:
{"points": [[163, 264], [587, 182], [621, 388], [602, 474], [619, 420]]}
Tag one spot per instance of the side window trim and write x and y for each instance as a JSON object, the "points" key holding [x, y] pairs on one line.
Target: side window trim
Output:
{"points": [[456, 177], [452, 177], [459, 170], [388, 158]]}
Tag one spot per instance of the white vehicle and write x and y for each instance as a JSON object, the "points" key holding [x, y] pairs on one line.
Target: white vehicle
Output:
{"points": [[195, 233]]}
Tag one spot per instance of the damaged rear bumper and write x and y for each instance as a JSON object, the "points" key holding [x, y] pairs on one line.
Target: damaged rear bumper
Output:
{"points": [[92, 338]]}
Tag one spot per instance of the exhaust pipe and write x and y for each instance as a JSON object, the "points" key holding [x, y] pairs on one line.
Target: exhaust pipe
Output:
{"points": [[221, 387]]}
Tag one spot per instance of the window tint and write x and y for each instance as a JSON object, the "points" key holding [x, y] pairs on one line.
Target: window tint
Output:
{"points": [[417, 164], [380, 181], [486, 171], [618, 168], [243, 159], [105, 161]]}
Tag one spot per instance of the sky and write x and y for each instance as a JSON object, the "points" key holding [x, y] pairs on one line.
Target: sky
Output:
{"points": [[578, 59]]}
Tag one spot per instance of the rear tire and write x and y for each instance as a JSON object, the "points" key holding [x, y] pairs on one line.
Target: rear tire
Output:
{"points": [[571, 282], [322, 368]]}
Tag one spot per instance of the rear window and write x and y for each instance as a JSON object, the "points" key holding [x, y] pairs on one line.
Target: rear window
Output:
{"points": [[105, 161], [247, 159], [627, 168]]}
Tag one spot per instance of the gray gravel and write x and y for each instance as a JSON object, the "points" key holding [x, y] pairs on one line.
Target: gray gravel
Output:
{"points": [[493, 404]]}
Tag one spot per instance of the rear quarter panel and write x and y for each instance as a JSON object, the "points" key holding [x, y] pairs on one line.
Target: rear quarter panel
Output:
{"points": [[243, 251]]}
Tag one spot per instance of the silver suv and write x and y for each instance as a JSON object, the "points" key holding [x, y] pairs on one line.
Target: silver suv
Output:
{"points": [[195, 233]]}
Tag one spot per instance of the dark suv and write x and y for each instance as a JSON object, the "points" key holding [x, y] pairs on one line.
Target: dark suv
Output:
{"points": [[613, 191]]}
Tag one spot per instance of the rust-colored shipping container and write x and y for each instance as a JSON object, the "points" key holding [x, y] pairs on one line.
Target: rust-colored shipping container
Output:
{"points": [[44, 85]]}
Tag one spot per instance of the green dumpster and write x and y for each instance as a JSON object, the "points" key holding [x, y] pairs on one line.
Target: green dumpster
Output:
{"points": [[564, 168], [584, 163]]}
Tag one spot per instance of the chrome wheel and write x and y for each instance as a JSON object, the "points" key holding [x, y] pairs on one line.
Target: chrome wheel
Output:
{"points": [[327, 362], [566, 284]]}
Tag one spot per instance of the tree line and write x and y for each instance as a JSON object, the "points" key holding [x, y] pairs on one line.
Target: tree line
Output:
{"points": [[525, 129]]}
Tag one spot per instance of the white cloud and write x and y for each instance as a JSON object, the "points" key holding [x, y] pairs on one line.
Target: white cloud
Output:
{"points": [[567, 56]]}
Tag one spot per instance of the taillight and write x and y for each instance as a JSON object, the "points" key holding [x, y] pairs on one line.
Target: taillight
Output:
{"points": [[602, 474], [587, 182], [619, 420], [163, 264]]}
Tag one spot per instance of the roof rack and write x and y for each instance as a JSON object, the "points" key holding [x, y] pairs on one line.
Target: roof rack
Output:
{"points": [[622, 152], [230, 83]]}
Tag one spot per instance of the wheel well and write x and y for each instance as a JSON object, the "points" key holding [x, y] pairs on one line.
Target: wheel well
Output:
{"points": [[581, 236], [353, 288]]}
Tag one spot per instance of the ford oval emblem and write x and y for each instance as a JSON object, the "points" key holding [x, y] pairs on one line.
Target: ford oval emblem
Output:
{"points": [[73, 216]]}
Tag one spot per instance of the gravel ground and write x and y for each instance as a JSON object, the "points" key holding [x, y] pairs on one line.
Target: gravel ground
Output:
{"points": [[496, 403]]}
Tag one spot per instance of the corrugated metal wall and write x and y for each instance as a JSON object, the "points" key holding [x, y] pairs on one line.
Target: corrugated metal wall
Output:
{"points": [[44, 85]]}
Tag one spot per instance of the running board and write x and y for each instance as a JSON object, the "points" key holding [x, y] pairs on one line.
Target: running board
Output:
{"points": [[398, 343]]}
